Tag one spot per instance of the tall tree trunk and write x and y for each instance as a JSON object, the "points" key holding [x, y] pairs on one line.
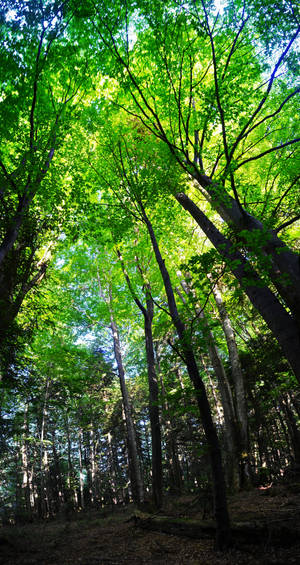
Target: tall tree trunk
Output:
{"points": [[71, 498], [27, 472], [148, 311], [81, 475], [153, 408], [58, 479], [112, 470], [293, 428], [282, 325], [231, 432], [137, 487], [172, 459], [239, 387], [44, 465], [93, 464], [111, 461], [223, 535], [284, 263], [134, 467]]}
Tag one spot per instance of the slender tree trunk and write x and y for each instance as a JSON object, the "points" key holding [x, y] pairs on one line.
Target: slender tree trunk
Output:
{"points": [[282, 325], [293, 428], [134, 468], [137, 487], [59, 485], [172, 459], [239, 387], [71, 498], [111, 461], [231, 431], [112, 470], [230, 426], [219, 488], [284, 431], [153, 408], [44, 466], [148, 311], [81, 475], [27, 473]]}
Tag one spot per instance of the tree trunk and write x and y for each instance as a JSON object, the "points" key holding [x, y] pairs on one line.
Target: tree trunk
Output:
{"points": [[71, 495], [219, 488], [153, 408], [230, 427], [81, 475], [293, 428], [172, 459], [27, 472], [58, 494], [44, 466], [157, 474], [284, 263], [282, 325], [239, 387], [134, 468]]}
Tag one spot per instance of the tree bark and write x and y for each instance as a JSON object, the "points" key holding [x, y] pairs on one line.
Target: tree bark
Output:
{"points": [[239, 387], [284, 262], [134, 468], [231, 432], [282, 324], [148, 312], [157, 475], [81, 476], [27, 472], [219, 488], [174, 469], [44, 466]]}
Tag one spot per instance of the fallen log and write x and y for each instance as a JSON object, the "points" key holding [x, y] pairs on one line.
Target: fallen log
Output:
{"points": [[276, 533]]}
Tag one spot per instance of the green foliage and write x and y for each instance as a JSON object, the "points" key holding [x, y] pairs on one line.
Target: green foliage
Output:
{"points": [[108, 110]]}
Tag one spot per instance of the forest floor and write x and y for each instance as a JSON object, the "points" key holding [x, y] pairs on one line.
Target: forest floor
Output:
{"points": [[112, 537]]}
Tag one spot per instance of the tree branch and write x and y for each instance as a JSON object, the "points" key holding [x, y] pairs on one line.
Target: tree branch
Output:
{"points": [[268, 151]]}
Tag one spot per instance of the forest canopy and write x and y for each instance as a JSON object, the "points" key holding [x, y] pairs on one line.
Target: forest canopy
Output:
{"points": [[149, 251]]}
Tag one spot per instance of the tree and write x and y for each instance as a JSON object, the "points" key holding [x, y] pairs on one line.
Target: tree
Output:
{"points": [[195, 131], [148, 313], [38, 99]]}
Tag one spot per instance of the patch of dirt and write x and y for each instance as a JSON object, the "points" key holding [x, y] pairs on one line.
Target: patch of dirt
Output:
{"points": [[100, 538]]}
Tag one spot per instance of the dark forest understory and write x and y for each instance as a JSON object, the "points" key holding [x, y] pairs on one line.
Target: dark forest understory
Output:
{"points": [[116, 537]]}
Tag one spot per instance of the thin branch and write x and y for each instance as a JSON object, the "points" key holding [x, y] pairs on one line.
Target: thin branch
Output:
{"points": [[285, 193], [274, 113], [160, 307], [268, 151], [244, 151], [287, 223], [263, 100], [176, 350], [233, 46], [131, 289], [221, 113]]}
